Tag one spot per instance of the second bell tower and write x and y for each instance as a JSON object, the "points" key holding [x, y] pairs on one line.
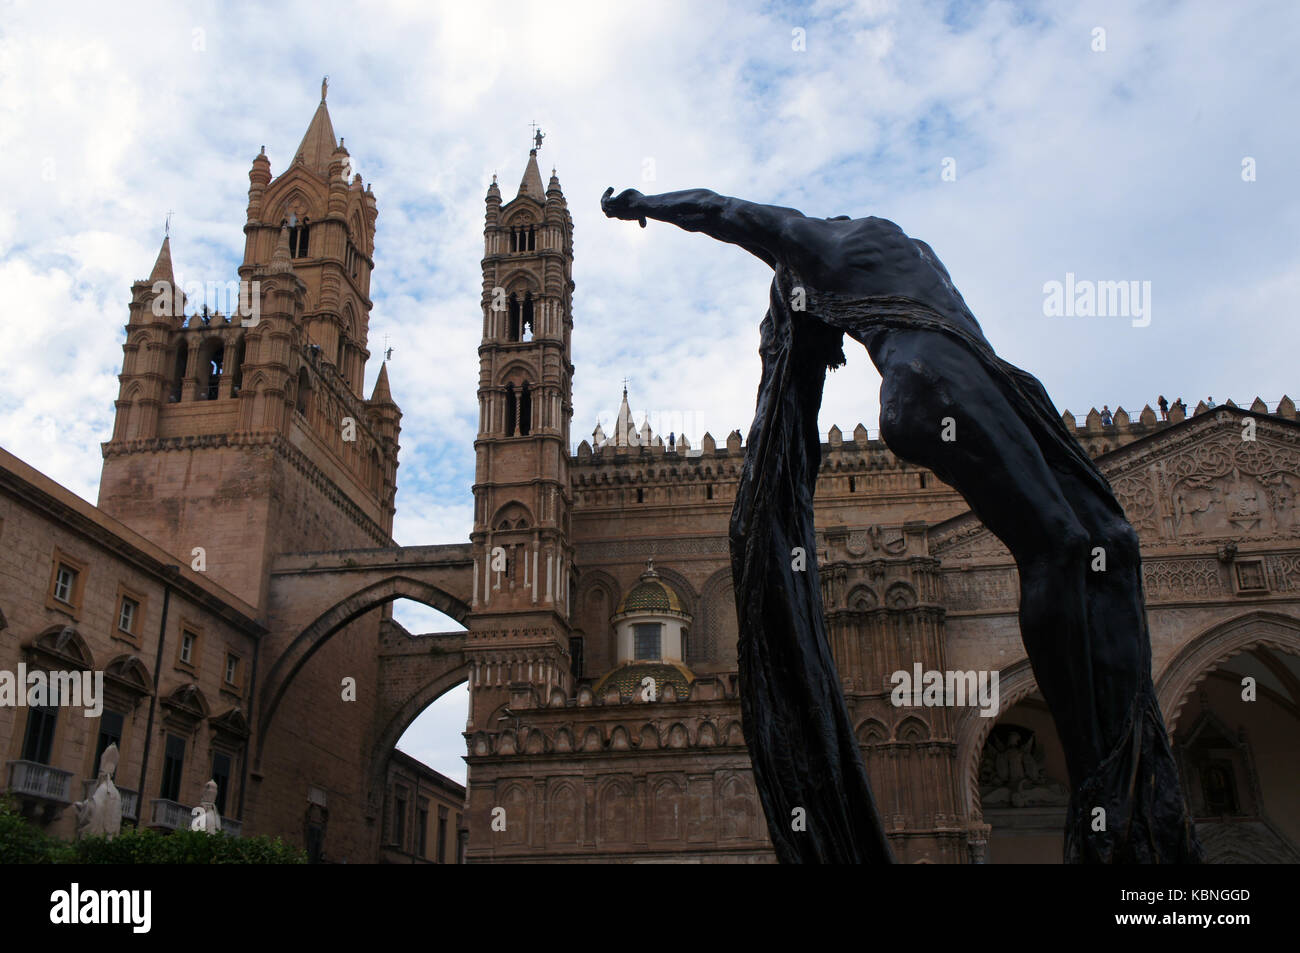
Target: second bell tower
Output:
{"points": [[523, 560]]}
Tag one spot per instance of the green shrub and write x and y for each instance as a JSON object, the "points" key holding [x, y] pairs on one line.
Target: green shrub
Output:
{"points": [[22, 842], [185, 847]]}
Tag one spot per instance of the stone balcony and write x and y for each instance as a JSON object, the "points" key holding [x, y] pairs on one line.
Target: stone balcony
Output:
{"points": [[232, 827], [30, 779], [130, 799], [168, 815], [42, 791]]}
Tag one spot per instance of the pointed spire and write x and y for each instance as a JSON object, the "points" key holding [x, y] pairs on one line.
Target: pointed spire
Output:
{"points": [[162, 268], [531, 184], [318, 144], [381, 394], [624, 429]]}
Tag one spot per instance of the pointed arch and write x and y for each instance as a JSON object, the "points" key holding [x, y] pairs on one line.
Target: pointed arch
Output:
{"points": [[1217, 644]]}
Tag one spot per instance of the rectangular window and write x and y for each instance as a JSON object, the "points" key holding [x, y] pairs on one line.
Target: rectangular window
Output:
{"points": [[422, 834], [232, 669], [110, 733], [187, 647], [647, 640], [126, 615], [39, 740], [399, 819], [173, 765], [221, 774], [65, 581], [575, 656], [442, 835]]}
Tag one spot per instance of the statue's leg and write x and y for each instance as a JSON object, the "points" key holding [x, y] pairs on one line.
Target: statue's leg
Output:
{"points": [[940, 408], [1137, 783]]}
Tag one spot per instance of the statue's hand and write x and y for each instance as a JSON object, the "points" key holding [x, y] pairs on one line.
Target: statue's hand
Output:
{"points": [[626, 205]]}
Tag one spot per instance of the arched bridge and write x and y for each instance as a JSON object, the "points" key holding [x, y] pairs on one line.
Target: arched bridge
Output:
{"points": [[334, 588]]}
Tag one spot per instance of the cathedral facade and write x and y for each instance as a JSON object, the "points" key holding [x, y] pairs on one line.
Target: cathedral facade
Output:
{"points": [[233, 586]]}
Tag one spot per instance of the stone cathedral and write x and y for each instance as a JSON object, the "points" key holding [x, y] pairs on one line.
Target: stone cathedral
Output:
{"points": [[234, 583]]}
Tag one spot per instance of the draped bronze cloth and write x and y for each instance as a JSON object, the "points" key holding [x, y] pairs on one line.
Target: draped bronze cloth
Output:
{"points": [[805, 757]]}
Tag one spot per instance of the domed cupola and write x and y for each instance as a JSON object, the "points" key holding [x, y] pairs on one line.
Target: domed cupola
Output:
{"points": [[651, 630]]}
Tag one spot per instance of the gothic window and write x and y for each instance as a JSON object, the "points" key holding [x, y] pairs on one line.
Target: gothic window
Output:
{"points": [[238, 370], [304, 392], [178, 376], [212, 367], [376, 472], [525, 410], [576, 658], [299, 236], [510, 410], [647, 640], [514, 312], [526, 322]]}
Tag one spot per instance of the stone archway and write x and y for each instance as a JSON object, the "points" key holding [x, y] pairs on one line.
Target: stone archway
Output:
{"points": [[1015, 683], [1217, 645], [395, 725], [301, 649]]}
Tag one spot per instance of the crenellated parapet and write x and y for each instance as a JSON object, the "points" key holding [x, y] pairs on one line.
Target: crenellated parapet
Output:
{"points": [[1099, 436]]}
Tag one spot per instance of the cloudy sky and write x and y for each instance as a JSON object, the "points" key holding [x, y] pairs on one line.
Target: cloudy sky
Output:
{"points": [[1147, 142]]}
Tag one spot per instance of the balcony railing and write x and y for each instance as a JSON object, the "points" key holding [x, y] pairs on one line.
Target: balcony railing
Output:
{"points": [[168, 815], [130, 799], [31, 779], [232, 827]]}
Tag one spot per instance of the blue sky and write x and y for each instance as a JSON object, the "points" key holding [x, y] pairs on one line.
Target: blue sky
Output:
{"points": [[1115, 164]]}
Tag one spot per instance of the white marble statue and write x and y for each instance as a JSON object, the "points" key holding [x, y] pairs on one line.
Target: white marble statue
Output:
{"points": [[206, 816], [101, 813]]}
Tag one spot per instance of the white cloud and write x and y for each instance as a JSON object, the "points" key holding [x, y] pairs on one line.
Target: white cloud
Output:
{"points": [[1115, 165]]}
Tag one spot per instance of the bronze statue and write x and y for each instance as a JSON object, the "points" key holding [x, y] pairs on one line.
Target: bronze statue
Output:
{"points": [[988, 429]]}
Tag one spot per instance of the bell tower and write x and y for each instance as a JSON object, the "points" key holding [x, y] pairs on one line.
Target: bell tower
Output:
{"points": [[523, 560], [245, 434]]}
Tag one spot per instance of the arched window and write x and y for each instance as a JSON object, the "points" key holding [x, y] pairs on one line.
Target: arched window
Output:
{"points": [[178, 376], [525, 410], [526, 322], [238, 370], [515, 310], [376, 472], [510, 410], [299, 235], [304, 391], [211, 367]]}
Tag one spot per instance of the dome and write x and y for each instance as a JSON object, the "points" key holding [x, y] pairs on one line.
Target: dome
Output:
{"points": [[627, 678], [650, 594]]}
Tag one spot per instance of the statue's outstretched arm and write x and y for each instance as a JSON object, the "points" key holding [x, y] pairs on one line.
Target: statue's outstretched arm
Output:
{"points": [[759, 229]]}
